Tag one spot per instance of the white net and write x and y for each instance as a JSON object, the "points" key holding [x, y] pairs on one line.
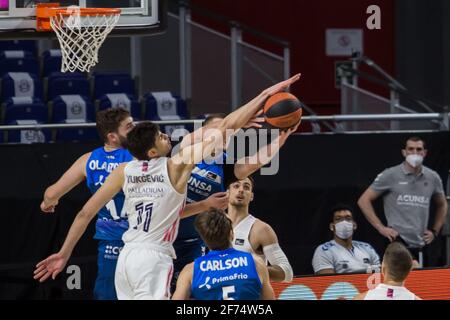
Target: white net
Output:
{"points": [[80, 37]]}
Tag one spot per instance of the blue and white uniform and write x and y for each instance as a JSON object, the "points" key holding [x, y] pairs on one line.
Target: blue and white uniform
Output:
{"points": [[206, 179], [226, 275], [111, 222]]}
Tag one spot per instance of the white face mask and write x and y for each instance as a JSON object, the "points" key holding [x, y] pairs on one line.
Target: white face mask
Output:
{"points": [[415, 160], [344, 230]]}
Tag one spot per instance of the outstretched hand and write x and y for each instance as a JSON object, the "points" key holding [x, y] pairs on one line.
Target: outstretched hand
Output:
{"points": [[48, 208], [51, 266], [256, 121], [218, 201], [284, 135], [282, 86]]}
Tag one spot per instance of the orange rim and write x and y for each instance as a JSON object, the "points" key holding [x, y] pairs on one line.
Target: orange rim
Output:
{"points": [[46, 11], [87, 11]]}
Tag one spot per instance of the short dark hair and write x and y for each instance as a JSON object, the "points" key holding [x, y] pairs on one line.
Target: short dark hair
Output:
{"points": [[234, 180], [399, 261], [215, 228], [415, 139], [340, 207], [141, 139], [213, 116], [108, 121]]}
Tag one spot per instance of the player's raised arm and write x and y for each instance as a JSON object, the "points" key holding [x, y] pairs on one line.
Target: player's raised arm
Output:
{"points": [[218, 200], [56, 263], [249, 165], [71, 178], [181, 164], [245, 116], [242, 116]]}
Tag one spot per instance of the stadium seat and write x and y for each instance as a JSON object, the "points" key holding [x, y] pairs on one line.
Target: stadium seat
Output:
{"points": [[26, 45], [18, 61], [27, 136], [15, 54], [72, 107], [20, 84], [67, 84], [25, 108], [105, 83], [115, 100], [165, 106], [77, 134], [51, 62]]}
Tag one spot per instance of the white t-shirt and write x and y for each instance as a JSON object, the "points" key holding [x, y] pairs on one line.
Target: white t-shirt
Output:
{"points": [[332, 255], [385, 292]]}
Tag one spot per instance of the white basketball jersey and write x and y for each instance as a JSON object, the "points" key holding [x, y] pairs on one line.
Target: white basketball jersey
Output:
{"points": [[385, 292], [241, 239], [152, 205]]}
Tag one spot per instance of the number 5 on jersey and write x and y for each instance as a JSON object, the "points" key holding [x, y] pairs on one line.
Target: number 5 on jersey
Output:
{"points": [[144, 215]]}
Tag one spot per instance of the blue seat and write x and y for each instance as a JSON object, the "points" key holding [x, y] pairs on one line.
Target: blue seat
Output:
{"points": [[166, 106], [77, 134], [151, 108], [122, 100], [62, 84], [52, 60], [108, 74], [15, 54], [72, 107], [26, 45], [25, 109], [20, 84], [58, 74], [105, 83], [27, 136], [13, 61]]}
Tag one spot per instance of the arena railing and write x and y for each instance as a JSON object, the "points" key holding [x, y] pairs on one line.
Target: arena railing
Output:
{"points": [[233, 56], [338, 120]]}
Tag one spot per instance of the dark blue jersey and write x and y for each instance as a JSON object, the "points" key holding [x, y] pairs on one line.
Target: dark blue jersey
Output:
{"points": [[111, 222], [206, 179], [226, 275]]}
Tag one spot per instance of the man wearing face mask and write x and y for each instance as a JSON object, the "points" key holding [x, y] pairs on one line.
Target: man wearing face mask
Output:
{"points": [[343, 254], [407, 191]]}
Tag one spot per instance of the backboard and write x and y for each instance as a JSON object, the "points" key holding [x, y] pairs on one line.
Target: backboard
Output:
{"points": [[18, 17]]}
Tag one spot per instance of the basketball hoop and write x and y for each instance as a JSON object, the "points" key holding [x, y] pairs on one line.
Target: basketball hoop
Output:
{"points": [[80, 31]]}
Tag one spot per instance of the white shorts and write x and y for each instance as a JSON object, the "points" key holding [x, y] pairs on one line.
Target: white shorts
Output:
{"points": [[143, 274]]}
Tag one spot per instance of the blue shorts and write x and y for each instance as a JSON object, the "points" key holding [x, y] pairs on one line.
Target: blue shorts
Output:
{"points": [[108, 253], [187, 251]]}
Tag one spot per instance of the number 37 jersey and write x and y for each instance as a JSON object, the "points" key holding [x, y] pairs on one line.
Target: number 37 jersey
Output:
{"points": [[152, 204]]}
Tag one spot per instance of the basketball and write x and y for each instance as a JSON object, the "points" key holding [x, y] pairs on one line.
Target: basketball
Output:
{"points": [[283, 110]]}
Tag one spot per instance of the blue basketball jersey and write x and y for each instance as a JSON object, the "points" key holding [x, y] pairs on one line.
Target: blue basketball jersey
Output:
{"points": [[206, 179], [225, 275], [111, 222]]}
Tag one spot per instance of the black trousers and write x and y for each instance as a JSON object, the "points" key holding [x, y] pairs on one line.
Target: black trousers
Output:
{"points": [[415, 252]]}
